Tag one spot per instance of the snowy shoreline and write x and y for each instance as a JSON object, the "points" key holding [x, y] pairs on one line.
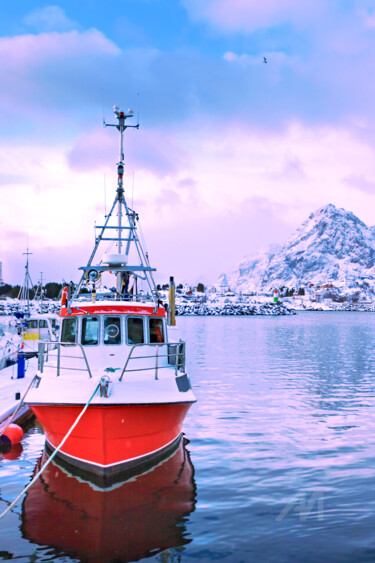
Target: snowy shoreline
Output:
{"points": [[231, 309]]}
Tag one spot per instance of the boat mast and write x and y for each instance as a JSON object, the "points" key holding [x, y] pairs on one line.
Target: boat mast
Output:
{"points": [[39, 293], [24, 292], [123, 270]]}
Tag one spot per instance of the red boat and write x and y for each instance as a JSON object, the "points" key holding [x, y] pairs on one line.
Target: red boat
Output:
{"points": [[113, 394], [129, 522]]}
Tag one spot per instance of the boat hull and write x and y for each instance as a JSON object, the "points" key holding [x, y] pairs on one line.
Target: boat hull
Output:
{"points": [[113, 441]]}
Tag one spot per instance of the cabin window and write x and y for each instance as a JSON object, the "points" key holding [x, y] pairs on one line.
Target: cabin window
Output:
{"points": [[32, 324], [90, 331], [69, 330], [112, 330], [135, 330], [156, 330], [43, 324]]}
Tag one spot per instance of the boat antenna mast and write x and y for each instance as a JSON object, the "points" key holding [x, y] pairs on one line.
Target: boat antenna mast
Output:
{"points": [[120, 265], [121, 116], [24, 292]]}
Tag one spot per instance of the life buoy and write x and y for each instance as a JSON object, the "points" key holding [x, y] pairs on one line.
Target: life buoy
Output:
{"points": [[64, 296]]}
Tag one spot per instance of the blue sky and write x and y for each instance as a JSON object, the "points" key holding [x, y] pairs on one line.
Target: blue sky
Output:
{"points": [[232, 154]]}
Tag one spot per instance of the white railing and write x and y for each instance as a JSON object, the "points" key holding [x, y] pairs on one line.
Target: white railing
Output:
{"points": [[173, 351]]}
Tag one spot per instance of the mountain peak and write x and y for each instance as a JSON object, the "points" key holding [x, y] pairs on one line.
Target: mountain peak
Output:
{"points": [[331, 245]]}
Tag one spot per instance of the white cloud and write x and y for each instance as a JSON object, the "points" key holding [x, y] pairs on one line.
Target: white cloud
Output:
{"points": [[50, 18], [249, 15]]}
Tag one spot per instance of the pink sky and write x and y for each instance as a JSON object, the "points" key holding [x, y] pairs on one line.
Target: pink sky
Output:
{"points": [[232, 154]]}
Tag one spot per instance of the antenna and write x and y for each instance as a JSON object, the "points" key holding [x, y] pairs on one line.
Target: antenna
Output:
{"points": [[103, 106], [133, 192], [105, 198], [139, 103]]}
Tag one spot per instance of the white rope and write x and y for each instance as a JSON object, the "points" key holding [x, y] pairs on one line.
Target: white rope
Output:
{"points": [[52, 456]]}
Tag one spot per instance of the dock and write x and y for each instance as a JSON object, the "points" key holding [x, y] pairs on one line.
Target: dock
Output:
{"points": [[13, 389]]}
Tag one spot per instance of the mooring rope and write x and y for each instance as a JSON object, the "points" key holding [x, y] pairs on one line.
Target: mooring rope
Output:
{"points": [[53, 455]]}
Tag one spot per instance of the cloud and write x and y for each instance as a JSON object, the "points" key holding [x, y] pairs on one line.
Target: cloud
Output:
{"points": [[25, 52], [360, 182], [50, 18], [158, 152], [249, 15], [64, 75], [46, 72], [274, 58]]}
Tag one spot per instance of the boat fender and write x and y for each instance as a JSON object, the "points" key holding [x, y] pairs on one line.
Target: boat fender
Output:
{"points": [[64, 296], [13, 434]]}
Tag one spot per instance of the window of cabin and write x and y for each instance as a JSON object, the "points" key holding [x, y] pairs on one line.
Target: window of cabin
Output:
{"points": [[156, 330], [43, 324], [112, 330], [32, 324], [90, 331], [69, 330], [135, 330]]}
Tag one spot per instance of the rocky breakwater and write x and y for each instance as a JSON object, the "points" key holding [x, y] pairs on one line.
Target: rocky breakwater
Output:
{"points": [[231, 309]]}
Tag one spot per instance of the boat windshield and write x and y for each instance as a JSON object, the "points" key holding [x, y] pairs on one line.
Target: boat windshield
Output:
{"points": [[156, 330], [135, 330], [90, 331], [69, 330], [110, 330]]}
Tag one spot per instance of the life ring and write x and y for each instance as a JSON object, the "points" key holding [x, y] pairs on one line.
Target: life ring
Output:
{"points": [[112, 331], [64, 296]]}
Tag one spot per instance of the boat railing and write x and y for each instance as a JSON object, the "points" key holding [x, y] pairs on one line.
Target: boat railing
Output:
{"points": [[138, 298], [43, 357], [173, 351]]}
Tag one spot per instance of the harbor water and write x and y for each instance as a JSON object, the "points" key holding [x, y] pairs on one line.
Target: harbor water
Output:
{"points": [[278, 464]]}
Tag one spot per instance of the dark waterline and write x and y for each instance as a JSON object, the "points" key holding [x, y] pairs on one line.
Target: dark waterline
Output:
{"points": [[281, 447]]}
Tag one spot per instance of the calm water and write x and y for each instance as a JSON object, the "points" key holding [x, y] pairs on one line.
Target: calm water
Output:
{"points": [[280, 464]]}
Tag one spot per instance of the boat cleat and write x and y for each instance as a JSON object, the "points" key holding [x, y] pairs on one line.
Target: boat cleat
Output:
{"points": [[105, 386]]}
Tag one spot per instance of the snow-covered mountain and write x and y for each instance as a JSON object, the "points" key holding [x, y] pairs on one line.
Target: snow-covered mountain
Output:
{"points": [[332, 245]]}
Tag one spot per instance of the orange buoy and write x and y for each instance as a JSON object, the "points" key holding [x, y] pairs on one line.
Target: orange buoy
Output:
{"points": [[64, 296], [12, 434]]}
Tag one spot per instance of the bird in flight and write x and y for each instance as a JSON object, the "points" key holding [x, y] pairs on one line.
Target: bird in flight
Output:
{"points": [[265, 60]]}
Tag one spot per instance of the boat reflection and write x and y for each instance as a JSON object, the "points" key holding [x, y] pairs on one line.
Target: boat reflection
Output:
{"points": [[135, 519]]}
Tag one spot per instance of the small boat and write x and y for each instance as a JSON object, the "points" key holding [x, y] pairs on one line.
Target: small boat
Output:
{"points": [[10, 343], [118, 363], [38, 327], [33, 323]]}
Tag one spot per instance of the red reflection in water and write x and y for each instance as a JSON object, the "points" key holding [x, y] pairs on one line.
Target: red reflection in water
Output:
{"points": [[12, 451], [125, 523]]}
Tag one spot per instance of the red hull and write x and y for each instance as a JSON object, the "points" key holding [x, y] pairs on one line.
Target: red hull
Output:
{"points": [[110, 435]]}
